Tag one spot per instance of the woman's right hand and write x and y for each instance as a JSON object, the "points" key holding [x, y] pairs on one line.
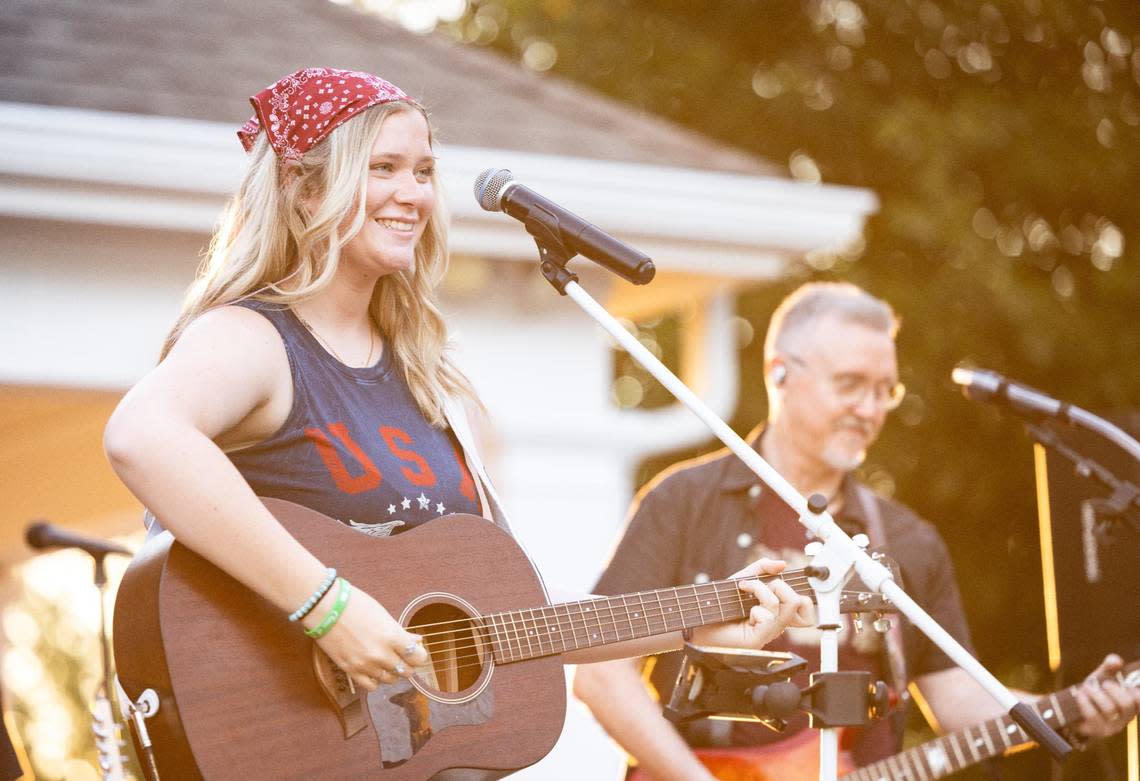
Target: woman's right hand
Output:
{"points": [[366, 642]]}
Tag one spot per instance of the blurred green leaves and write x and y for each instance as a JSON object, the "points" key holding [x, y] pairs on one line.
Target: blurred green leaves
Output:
{"points": [[1003, 139]]}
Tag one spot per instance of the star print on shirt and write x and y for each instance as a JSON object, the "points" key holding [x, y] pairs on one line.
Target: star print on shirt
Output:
{"points": [[391, 509], [439, 508], [423, 500], [406, 503]]}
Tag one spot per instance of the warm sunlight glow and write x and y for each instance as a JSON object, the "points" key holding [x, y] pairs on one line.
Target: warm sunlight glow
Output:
{"points": [[419, 16], [51, 662]]}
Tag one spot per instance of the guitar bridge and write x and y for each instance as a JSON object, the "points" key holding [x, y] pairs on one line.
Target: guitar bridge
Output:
{"points": [[349, 704]]}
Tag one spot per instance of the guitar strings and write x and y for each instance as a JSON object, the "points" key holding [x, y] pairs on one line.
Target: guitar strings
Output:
{"points": [[508, 623], [512, 633], [793, 578], [485, 641], [511, 628], [607, 603]]}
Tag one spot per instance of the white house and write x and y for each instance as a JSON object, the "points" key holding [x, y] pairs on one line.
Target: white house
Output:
{"points": [[117, 151]]}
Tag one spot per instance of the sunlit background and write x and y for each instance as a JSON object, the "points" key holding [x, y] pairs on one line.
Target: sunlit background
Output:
{"points": [[51, 661]]}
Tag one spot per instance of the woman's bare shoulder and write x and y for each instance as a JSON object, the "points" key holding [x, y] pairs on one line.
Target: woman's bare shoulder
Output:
{"points": [[228, 364]]}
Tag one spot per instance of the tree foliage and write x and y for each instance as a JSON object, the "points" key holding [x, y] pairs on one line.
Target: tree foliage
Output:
{"points": [[1002, 140]]}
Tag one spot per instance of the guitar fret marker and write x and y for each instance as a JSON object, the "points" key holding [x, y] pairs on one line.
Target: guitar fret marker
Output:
{"points": [[973, 744], [1048, 713], [1058, 708], [937, 759]]}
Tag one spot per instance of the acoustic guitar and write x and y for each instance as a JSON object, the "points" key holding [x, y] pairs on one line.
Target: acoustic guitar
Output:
{"points": [[243, 694], [797, 758]]}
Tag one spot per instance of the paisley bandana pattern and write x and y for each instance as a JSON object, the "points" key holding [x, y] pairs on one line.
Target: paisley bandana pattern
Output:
{"points": [[300, 110]]}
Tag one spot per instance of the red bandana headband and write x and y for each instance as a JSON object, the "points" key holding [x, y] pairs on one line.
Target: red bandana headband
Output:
{"points": [[300, 110]]}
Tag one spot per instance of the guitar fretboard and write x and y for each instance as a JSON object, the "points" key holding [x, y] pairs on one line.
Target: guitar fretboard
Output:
{"points": [[518, 635], [958, 750]]}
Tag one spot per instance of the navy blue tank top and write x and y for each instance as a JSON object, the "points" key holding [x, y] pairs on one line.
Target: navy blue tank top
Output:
{"points": [[355, 446]]}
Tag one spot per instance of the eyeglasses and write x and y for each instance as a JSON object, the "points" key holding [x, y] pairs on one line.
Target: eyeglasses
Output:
{"points": [[851, 388]]}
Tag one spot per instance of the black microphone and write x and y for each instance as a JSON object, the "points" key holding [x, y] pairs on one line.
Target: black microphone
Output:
{"points": [[496, 190], [42, 534], [992, 388]]}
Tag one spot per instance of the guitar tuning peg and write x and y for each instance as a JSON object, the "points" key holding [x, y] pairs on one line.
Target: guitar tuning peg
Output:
{"points": [[857, 620], [813, 548], [861, 540], [882, 624]]}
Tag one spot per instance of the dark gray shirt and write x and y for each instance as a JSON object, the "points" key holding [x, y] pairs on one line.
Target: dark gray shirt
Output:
{"points": [[709, 517]]}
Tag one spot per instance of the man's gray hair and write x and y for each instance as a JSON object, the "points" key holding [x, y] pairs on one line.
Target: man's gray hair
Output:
{"points": [[814, 300]]}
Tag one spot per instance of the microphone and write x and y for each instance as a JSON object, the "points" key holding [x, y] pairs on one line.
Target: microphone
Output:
{"points": [[496, 190], [42, 534], [992, 388]]}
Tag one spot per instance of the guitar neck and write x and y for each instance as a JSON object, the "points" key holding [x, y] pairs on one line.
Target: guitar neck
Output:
{"points": [[958, 750], [518, 635]]}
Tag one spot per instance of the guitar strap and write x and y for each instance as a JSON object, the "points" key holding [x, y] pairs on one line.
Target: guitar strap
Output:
{"points": [[492, 506], [489, 500], [893, 641]]}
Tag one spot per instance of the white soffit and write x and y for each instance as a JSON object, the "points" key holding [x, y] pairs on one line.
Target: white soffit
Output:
{"points": [[175, 174]]}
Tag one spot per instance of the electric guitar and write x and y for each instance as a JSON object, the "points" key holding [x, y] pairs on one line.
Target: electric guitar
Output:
{"points": [[243, 694], [797, 758], [956, 751]]}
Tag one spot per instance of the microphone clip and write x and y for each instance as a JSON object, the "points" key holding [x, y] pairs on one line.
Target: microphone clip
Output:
{"points": [[553, 253]]}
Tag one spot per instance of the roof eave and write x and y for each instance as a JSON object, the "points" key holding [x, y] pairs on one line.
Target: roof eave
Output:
{"points": [[167, 173]]}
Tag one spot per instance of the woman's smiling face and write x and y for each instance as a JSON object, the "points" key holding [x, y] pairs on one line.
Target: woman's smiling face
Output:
{"points": [[399, 199]]}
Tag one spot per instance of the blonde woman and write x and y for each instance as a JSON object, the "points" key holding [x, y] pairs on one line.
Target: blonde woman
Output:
{"points": [[310, 364]]}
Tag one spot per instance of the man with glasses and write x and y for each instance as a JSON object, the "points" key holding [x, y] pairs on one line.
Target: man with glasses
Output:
{"points": [[832, 376]]}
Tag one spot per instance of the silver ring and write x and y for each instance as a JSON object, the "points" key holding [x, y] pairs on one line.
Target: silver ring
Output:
{"points": [[399, 668], [410, 648]]}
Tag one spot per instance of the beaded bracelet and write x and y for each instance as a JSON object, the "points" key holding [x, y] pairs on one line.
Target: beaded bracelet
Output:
{"points": [[322, 629], [318, 595]]}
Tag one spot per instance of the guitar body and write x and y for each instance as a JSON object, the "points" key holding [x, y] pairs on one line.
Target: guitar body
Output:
{"points": [[794, 759], [239, 693]]}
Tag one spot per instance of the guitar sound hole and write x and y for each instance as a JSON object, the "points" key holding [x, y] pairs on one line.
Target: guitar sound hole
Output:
{"points": [[457, 655]]}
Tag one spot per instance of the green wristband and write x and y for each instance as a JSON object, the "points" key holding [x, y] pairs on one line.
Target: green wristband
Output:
{"points": [[329, 621]]}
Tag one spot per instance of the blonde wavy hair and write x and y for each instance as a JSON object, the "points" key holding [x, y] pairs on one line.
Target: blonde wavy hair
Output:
{"points": [[270, 247]]}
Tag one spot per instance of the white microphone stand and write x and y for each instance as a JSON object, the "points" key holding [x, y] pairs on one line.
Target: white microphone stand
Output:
{"points": [[840, 555]]}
